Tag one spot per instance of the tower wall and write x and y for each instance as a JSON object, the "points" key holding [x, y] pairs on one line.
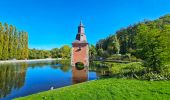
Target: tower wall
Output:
{"points": [[80, 53]]}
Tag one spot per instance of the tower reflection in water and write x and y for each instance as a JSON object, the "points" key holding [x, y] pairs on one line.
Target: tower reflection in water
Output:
{"points": [[79, 76]]}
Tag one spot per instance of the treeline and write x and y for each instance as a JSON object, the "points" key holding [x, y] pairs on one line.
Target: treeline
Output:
{"points": [[13, 43], [63, 52], [39, 54], [126, 37], [148, 41]]}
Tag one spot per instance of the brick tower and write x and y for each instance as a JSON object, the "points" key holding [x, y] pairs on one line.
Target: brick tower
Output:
{"points": [[80, 49]]}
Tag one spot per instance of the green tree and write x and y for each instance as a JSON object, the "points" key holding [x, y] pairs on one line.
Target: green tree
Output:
{"points": [[1, 40], [47, 54], [15, 44], [116, 45], [25, 45], [40, 54], [32, 54], [20, 46], [55, 53], [92, 52], [11, 41], [100, 52], [6, 42], [65, 51], [152, 44]]}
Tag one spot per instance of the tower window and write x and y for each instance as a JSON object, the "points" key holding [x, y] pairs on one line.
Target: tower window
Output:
{"points": [[79, 48]]}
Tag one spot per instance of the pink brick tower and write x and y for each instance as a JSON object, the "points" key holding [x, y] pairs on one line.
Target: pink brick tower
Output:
{"points": [[80, 49]]}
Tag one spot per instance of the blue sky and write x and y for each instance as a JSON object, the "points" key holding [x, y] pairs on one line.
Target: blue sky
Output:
{"points": [[53, 23]]}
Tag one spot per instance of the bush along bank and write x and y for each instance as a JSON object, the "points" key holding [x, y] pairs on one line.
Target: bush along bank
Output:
{"points": [[133, 70]]}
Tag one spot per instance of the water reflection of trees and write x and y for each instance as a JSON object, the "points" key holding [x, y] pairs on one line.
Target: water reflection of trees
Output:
{"points": [[65, 68], [63, 65], [41, 64], [12, 76], [100, 70]]}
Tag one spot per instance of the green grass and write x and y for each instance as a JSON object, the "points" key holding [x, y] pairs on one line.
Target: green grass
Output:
{"points": [[108, 89]]}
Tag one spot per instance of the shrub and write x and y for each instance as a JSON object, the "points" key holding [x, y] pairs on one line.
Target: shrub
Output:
{"points": [[134, 70], [154, 76]]}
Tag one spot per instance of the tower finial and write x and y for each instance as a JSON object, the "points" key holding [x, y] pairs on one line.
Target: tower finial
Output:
{"points": [[81, 23], [81, 28]]}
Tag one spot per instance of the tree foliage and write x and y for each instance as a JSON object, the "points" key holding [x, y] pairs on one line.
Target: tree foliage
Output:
{"points": [[148, 40], [55, 53], [39, 54], [153, 45], [92, 52], [13, 43], [63, 52], [108, 46]]}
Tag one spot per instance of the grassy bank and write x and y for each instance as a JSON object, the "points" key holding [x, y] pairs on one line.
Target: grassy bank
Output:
{"points": [[108, 89]]}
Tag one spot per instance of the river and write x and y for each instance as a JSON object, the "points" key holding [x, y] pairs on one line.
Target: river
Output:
{"points": [[22, 79]]}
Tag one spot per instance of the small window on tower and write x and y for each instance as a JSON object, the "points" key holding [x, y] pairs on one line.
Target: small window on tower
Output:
{"points": [[79, 48]]}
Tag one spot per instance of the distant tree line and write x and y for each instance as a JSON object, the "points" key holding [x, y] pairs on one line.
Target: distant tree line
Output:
{"points": [[13, 43], [63, 52]]}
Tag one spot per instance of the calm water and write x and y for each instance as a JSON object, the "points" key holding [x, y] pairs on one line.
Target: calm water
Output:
{"points": [[22, 79]]}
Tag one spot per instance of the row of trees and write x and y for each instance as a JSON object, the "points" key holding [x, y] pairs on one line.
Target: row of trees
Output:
{"points": [[13, 43], [39, 54], [63, 52], [148, 40]]}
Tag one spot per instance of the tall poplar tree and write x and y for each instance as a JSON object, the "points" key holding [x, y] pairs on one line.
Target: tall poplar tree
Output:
{"points": [[11, 41], [116, 45], [19, 53], [26, 45], [1, 40], [15, 44], [6, 42]]}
